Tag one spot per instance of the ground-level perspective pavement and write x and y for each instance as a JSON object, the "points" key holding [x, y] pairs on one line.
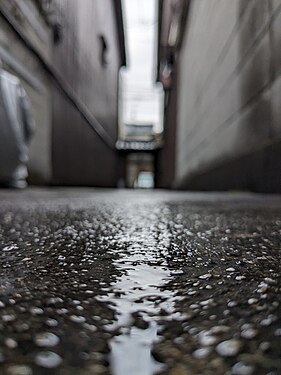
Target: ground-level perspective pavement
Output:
{"points": [[139, 282]]}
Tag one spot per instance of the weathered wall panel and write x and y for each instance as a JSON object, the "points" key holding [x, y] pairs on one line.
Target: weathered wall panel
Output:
{"points": [[88, 57], [229, 93]]}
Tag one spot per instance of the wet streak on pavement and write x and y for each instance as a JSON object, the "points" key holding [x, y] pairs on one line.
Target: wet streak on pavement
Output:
{"points": [[94, 281], [136, 294]]}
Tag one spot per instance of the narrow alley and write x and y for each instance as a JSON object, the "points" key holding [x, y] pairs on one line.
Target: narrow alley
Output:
{"points": [[140, 187], [130, 282]]}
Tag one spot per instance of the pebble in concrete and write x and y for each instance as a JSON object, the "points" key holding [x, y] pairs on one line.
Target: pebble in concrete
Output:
{"points": [[46, 339], [228, 348], [48, 359]]}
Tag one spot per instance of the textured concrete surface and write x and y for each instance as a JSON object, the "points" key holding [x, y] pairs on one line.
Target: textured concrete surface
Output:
{"points": [[139, 282]]}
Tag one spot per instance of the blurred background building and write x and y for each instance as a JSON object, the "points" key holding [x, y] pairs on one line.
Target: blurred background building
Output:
{"points": [[195, 105], [220, 64], [67, 55], [25, 25], [88, 55]]}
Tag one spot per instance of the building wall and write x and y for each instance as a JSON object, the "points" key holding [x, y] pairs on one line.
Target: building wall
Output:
{"points": [[79, 156], [165, 159], [18, 60], [229, 112]]}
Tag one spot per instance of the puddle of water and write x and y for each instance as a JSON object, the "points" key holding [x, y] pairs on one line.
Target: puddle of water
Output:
{"points": [[140, 296], [139, 290], [131, 352]]}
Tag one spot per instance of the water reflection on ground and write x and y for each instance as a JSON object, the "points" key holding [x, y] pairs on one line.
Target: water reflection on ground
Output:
{"points": [[138, 295]]}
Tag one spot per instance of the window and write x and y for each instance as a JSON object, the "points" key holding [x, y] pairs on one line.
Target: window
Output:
{"points": [[103, 51]]}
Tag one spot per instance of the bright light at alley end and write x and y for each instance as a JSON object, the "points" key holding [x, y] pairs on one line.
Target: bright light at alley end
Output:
{"points": [[141, 99]]}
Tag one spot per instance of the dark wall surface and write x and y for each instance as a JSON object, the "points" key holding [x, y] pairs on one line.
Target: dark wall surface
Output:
{"points": [[229, 107], [87, 55], [165, 162]]}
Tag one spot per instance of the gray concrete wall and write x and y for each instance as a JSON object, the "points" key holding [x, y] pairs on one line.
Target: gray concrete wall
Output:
{"points": [[79, 155], [18, 60], [165, 160], [229, 104]]}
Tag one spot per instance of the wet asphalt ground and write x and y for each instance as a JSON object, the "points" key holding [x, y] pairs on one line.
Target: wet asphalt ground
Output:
{"points": [[139, 283]]}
